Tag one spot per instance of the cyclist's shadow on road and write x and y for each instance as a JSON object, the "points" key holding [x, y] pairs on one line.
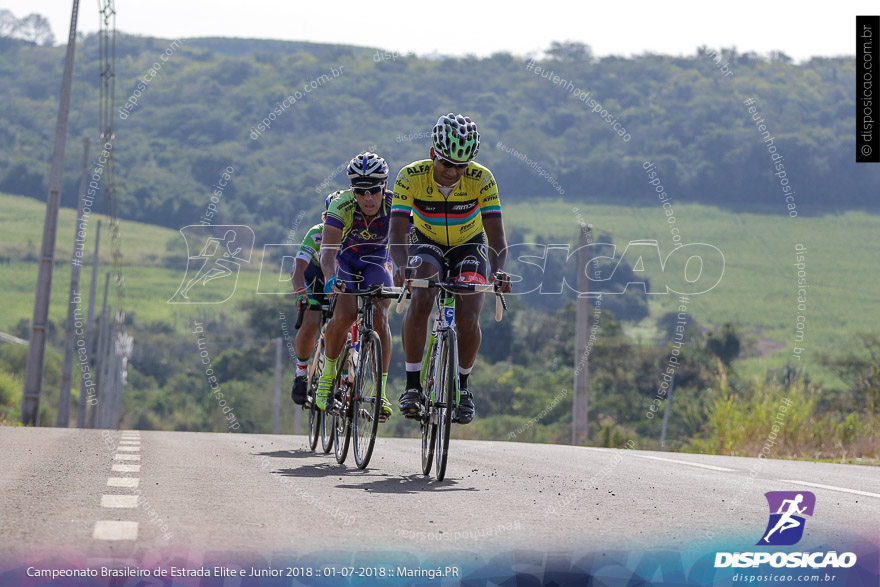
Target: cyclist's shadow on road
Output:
{"points": [[409, 484], [384, 483], [299, 453], [326, 468]]}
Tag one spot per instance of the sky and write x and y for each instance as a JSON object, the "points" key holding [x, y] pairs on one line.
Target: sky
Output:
{"points": [[623, 28]]}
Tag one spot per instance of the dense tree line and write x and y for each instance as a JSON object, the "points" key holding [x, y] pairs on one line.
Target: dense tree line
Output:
{"points": [[199, 110]]}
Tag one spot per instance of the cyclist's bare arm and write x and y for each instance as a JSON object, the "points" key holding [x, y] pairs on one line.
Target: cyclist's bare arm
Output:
{"points": [[331, 238], [297, 276], [494, 228], [397, 239]]}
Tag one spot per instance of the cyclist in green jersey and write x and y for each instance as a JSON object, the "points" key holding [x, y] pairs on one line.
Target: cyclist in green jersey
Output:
{"points": [[308, 285]]}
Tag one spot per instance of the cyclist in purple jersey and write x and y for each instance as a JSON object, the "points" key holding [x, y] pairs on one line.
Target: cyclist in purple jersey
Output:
{"points": [[354, 256]]}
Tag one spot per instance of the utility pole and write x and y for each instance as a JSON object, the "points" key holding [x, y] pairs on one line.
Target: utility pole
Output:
{"points": [[276, 404], [106, 392], [124, 347], [666, 411], [33, 378], [90, 337], [580, 398], [99, 362], [72, 299]]}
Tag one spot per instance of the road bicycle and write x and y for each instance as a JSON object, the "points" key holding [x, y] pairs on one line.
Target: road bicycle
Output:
{"points": [[439, 375], [357, 390], [318, 426]]}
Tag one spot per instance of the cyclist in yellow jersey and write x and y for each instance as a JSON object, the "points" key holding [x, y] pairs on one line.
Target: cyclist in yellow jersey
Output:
{"points": [[455, 210]]}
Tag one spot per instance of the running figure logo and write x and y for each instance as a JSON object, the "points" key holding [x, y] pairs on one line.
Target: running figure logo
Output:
{"points": [[217, 262], [786, 525]]}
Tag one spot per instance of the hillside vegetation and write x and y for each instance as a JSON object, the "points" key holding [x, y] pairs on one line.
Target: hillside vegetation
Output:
{"points": [[199, 112], [280, 118]]}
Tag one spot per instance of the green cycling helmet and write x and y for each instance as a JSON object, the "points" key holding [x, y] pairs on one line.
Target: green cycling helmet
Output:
{"points": [[456, 138]]}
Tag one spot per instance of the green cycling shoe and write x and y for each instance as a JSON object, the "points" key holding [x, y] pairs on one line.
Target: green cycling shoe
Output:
{"points": [[387, 411], [325, 388]]}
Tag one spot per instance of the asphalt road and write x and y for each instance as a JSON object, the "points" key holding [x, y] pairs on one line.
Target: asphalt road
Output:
{"points": [[73, 492]]}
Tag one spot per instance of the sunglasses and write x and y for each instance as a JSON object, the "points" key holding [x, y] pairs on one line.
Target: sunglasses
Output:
{"points": [[364, 191], [451, 165]]}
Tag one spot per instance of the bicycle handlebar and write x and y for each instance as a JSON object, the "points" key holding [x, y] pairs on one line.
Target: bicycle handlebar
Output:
{"points": [[300, 314], [450, 286], [328, 307]]}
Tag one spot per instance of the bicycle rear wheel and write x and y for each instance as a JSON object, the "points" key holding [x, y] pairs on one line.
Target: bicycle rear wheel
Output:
{"points": [[429, 423], [342, 421], [367, 399], [445, 391], [314, 427]]}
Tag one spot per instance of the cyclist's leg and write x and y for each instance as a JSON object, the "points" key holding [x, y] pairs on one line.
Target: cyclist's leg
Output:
{"points": [[469, 264], [344, 315], [376, 270], [305, 337], [304, 345], [426, 261], [308, 331]]}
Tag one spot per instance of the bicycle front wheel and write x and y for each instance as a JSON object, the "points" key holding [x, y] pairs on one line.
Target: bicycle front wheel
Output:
{"points": [[327, 435], [445, 391], [429, 422], [367, 399]]}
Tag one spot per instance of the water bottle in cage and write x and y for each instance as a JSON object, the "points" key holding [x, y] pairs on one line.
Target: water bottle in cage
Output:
{"points": [[348, 372]]}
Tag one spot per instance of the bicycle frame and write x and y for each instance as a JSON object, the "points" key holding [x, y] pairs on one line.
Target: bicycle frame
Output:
{"points": [[444, 321]]}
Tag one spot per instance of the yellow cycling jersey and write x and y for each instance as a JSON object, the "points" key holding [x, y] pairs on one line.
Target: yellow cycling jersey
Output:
{"points": [[446, 221]]}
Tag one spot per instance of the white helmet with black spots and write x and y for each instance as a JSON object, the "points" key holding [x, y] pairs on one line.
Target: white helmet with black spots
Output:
{"points": [[367, 170], [456, 138]]}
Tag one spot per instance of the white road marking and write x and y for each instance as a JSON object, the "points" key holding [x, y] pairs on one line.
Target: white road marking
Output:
{"points": [[702, 466], [127, 468], [119, 501], [831, 487], [134, 442], [112, 530], [122, 457], [123, 482], [128, 448]]}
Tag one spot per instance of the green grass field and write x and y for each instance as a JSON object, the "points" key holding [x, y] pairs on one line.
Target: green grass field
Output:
{"points": [[759, 286], [758, 290], [149, 282]]}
